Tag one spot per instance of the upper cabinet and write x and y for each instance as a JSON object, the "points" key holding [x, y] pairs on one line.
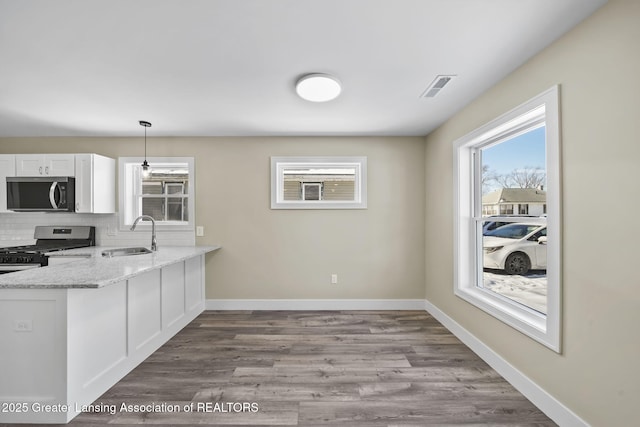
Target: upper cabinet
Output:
{"points": [[45, 165], [95, 184], [95, 177], [7, 168]]}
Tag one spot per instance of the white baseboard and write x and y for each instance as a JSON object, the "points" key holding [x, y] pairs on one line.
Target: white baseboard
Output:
{"points": [[553, 408], [314, 304]]}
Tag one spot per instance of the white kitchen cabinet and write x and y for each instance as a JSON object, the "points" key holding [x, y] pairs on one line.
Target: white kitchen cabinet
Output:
{"points": [[45, 165], [7, 168], [95, 176], [95, 183], [76, 343]]}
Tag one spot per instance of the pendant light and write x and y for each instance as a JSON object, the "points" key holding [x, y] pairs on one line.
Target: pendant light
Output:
{"points": [[146, 169]]}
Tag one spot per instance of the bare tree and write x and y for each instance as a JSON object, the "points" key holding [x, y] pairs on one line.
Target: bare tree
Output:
{"points": [[527, 177], [488, 177]]}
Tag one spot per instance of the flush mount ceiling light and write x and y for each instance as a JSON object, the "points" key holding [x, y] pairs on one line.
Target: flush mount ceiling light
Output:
{"points": [[146, 169], [318, 87]]}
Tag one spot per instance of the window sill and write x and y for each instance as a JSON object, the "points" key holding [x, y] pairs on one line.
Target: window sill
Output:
{"points": [[518, 316]]}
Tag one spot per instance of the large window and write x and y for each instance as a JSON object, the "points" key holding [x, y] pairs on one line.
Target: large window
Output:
{"points": [[507, 230], [166, 193], [318, 182]]}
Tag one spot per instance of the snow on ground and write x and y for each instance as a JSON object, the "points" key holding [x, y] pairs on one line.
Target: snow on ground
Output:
{"points": [[530, 290]]}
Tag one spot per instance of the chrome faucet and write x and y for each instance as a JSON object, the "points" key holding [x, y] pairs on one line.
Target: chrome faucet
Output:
{"points": [[154, 244]]}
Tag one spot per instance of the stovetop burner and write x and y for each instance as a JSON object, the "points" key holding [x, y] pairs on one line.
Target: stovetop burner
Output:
{"points": [[49, 239], [45, 247]]}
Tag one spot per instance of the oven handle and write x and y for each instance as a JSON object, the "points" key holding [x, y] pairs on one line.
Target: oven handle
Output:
{"points": [[52, 194]]}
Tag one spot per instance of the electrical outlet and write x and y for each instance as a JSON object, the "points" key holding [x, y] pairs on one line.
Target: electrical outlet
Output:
{"points": [[334, 279], [199, 231], [111, 230], [23, 325]]}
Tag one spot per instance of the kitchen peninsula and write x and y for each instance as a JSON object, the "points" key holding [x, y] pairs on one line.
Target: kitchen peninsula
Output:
{"points": [[70, 331]]}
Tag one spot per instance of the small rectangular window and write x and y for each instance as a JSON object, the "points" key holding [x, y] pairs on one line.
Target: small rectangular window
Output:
{"points": [[318, 182], [166, 193]]}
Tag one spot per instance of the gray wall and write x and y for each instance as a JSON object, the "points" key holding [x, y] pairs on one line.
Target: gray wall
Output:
{"points": [[597, 65], [378, 253]]}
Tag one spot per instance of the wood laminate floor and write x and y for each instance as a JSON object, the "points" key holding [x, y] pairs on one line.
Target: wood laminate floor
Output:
{"points": [[292, 368]]}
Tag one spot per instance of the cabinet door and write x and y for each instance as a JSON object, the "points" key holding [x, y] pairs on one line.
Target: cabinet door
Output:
{"points": [[104, 184], [194, 284], [60, 165], [95, 184], [29, 164], [172, 294], [84, 183], [7, 168], [45, 165]]}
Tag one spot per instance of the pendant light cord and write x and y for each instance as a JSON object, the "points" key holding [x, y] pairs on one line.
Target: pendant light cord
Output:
{"points": [[145, 125]]}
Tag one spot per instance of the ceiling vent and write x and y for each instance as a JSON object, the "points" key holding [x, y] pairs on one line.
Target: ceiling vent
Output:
{"points": [[436, 86]]}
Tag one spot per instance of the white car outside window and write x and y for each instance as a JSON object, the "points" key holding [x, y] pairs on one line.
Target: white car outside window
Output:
{"points": [[516, 248]]}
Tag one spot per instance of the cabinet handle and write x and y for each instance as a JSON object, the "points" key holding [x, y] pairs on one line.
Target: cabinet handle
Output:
{"points": [[40, 170], [77, 206], [46, 170]]}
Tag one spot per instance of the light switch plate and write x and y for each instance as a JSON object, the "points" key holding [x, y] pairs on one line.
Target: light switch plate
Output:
{"points": [[199, 231]]}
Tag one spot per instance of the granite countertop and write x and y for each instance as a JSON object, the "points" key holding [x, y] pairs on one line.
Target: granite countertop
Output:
{"points": [[96, 271]]}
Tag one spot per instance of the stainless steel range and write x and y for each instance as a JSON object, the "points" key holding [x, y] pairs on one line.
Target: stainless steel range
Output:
{"points": [[48, 239]]}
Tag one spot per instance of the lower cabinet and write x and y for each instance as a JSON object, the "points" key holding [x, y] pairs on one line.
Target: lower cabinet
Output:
{"points": [[82, 341], [173, 295]]}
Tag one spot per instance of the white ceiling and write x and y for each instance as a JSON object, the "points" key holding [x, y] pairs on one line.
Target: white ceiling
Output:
{"points": [[228, 67]]}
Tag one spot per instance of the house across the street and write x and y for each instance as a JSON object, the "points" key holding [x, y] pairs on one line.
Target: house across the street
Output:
{"points": [[515, 201]]}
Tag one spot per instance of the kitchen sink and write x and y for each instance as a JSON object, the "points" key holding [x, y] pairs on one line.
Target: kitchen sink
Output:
{"points": [[109, 253]]}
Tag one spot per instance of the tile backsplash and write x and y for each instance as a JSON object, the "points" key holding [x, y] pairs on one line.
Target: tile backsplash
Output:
{"points": [[17, 229]]}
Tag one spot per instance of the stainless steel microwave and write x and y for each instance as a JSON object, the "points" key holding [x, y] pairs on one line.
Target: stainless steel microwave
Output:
{"points": [[41, 194]]}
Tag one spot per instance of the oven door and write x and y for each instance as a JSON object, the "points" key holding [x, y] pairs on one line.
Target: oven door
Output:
{"points": [[12, 268], [41, 194]]}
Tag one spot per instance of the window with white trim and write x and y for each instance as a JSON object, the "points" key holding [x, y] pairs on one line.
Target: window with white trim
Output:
{"points": [[166, 193], [318, 182], [508, 264]]}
